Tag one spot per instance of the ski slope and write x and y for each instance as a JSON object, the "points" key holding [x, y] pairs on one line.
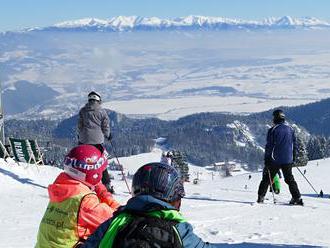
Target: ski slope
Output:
{"points": [[223, 210]]}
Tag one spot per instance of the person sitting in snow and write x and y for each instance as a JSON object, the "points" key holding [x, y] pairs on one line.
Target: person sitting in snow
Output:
{"points": [[78, 202], [280, 153], [151, 217]]}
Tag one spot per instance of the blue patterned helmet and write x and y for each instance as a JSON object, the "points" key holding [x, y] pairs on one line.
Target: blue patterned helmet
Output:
{"points": [[159, 180]]}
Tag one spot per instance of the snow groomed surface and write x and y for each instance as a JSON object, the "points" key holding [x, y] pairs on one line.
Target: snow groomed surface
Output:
{"points": [[222, 210]]}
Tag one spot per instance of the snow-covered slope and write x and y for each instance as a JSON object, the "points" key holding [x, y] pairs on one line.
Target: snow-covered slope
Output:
{"points": [[135, 23], [221, 210]]}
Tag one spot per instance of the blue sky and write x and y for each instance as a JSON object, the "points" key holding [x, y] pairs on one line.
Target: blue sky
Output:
{"points": [[17, 14]]}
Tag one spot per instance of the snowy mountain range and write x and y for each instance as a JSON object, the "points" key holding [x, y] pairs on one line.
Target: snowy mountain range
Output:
{"points": [[136, 23]]}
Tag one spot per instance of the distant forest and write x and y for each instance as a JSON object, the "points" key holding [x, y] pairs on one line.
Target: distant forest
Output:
{"points": [[205, 138]]}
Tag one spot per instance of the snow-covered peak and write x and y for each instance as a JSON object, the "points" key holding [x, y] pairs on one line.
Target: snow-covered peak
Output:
{"points": [[124, 22], [81, 23], [287, 21], [134, 23], [295, 22]]}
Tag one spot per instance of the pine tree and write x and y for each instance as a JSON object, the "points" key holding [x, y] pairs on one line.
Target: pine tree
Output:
{"points": [[302, 154], [317, 148], [179, 162], [327, 151]]}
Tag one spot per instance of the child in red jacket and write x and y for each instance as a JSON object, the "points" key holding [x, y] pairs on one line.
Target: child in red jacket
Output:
{"points": [[79, 202]]}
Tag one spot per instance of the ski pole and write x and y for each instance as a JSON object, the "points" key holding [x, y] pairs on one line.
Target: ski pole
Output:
{"points": [[307, 181], [121, 167], [271, 185]]}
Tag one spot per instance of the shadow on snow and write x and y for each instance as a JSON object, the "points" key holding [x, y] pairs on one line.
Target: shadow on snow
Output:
{"points": [[316, 196], [19, 179], [219, 200], [251, 245]]}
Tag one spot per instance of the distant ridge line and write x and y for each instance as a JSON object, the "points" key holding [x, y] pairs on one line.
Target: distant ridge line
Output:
{"points": [[137, 23]]}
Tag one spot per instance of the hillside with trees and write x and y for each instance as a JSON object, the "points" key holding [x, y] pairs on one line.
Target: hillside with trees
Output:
{"points": [[204, 138]]}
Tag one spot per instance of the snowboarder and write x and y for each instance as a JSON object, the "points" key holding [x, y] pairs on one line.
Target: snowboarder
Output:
{"points": [[250, 177], [78, 202], [93, 126], [151, 217], [321, 193], [280, 153]]}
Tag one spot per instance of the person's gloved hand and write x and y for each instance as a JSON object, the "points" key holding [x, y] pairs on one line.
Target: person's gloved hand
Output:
{"points": [[101, 191], [105, 196]]}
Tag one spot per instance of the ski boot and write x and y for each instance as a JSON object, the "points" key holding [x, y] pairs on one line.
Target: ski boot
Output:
{"points": [[260, 199], [110, 188], [297, 201]]}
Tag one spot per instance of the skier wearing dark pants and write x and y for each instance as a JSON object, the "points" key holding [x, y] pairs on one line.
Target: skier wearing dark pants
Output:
{"points": [[93, 127], [280, 154], [288, 178]]}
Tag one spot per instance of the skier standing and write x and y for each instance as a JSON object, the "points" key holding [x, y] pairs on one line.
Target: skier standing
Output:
{"points": [[93, 126], [151, 218], [280, 153], [78, 202]]}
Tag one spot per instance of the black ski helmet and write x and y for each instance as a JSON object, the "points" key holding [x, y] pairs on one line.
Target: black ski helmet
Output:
{"points": [[94, 96], [159, 180], [278, 115]]}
